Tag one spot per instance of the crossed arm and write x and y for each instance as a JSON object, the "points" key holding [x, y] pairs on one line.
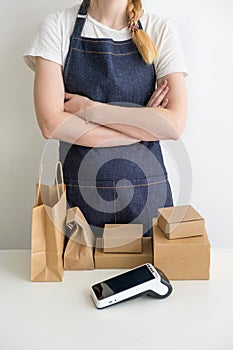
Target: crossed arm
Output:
{"points": [[108, 125]]}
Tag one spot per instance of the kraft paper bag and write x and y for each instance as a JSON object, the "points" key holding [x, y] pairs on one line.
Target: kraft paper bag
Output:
{"points": [[48, 230], [79, 252]]}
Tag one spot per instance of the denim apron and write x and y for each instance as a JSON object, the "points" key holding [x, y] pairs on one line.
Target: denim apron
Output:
{"points": [[118, 184]]}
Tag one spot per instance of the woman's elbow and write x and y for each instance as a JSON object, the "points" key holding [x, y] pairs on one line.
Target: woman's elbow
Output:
{"points": [[46, 133], [178, 130], [47, 128], [178, 127]]}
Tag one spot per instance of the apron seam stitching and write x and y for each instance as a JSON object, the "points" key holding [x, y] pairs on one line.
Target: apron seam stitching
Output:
{"points": [[114, 187], [67, 65], [114, 201], [104, 53]]}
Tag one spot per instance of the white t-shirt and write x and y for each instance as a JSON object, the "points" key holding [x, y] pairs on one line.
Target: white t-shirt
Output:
{"points": [[52, 39]]}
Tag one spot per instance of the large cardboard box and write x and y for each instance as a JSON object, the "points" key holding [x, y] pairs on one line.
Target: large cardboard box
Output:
{"points": [[122, 238], [123, 260], [181, 259], [180, 221]]}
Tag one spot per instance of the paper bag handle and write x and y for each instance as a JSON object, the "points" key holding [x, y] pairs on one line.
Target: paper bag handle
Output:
{"points": [[39, 183], [59, 164], [56, 180]]}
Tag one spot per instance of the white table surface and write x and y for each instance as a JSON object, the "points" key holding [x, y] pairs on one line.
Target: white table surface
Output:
{"points": [[198, 314]]}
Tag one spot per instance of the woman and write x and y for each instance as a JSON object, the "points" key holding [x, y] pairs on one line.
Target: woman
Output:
{"points": [[96, 65]]}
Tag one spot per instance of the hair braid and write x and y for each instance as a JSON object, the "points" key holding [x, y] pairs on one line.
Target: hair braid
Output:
{"points": [[144, 43]]}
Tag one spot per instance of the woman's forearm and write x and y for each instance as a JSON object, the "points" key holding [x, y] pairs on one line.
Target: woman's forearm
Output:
{"points": [[56, 123], [144, 123], [73, 129], [58, 119]]}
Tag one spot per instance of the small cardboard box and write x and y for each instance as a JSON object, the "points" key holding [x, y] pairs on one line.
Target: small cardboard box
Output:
{"points": [[181, 259], [181, 221], [122, 238], [124, 260]]}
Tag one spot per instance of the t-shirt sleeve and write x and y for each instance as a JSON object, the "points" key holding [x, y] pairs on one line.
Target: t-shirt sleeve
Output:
{"points": [[171, 56], [47, 42]]}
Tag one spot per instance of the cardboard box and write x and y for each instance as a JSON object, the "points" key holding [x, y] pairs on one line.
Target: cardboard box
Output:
{"points": [[122, 238], [181, 259], [181, 221], [124, 260]]}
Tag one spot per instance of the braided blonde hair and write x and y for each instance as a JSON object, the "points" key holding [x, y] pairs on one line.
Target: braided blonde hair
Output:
{"points": [[144, 43]]}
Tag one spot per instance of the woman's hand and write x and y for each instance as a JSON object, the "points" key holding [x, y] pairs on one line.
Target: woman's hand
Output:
{"points": [[158, 99], [75, 103]]}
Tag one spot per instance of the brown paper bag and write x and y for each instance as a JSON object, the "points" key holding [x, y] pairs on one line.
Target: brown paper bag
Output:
{"points": [[48, 229], [79, 252]]}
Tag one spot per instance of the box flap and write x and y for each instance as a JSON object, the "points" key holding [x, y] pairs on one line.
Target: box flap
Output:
{"points": [[161, 239], [123, 231], [179, 213]]}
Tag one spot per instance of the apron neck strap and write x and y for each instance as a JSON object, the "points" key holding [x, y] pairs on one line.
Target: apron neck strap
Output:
{"points": [[81, 18], [83, 7]]}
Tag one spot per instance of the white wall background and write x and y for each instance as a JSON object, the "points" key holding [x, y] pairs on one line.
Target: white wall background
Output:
{"points": [[206, 29]]}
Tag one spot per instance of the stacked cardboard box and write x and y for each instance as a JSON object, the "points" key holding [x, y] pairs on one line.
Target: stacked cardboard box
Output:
{"points": [[181, 246], [180, 222], [122, 238], [122, 246]]}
